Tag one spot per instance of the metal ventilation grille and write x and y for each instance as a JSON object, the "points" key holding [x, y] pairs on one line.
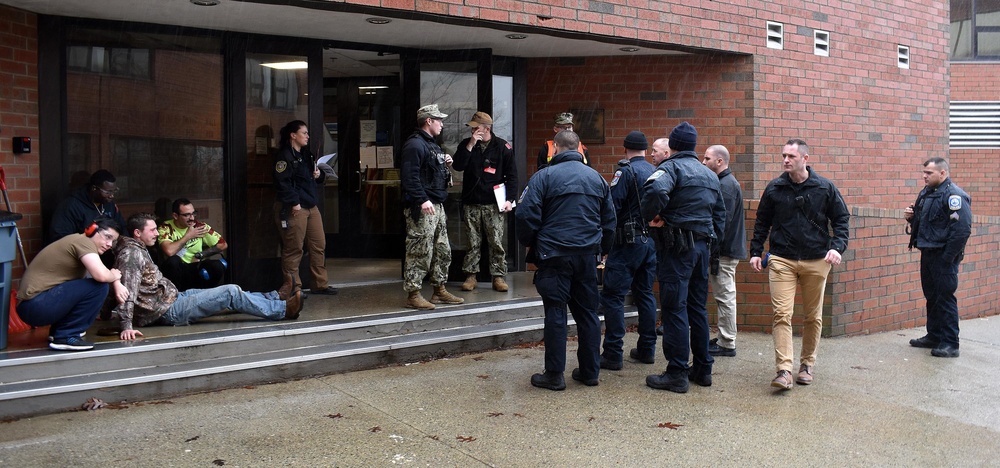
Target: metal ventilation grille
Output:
{"points": [[974, 124]]}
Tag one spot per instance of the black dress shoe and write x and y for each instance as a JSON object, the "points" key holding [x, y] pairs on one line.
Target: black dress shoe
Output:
{"points": [[924, 342], [327, 291], [677, 383], [715, 350], [578, 376], [641, 357], [945, 350], [549, 380], [609, 364]]}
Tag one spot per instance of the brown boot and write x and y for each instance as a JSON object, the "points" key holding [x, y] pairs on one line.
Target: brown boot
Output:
{"points": [[499, 284], [470, 282], [287, 287], [441, 295], [417, 301], [293, 305]]}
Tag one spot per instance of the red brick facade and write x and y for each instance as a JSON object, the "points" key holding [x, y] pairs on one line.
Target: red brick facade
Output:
{"points": [[869, 123], [19, 117]]}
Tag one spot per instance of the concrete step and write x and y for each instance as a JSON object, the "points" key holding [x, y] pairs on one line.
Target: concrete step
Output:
{"points": [[39, 381]]}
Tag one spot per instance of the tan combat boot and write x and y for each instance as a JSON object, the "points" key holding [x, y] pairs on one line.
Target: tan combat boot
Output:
{"points": [[499, 284], [293, 305], [441, 295], [287, 287], [417, 301], [470, 282]]}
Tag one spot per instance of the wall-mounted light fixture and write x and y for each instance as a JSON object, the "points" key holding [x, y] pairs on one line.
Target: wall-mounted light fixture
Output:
{"points": [[378, 20], [629, 49], [205, 2], [516, 36]]}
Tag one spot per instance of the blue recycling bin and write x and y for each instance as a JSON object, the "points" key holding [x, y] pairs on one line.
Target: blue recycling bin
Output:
{"points": [[8, 252]]}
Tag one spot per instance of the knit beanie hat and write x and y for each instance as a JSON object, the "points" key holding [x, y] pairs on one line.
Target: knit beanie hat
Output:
{"points": [[683, 138], [636, 140]]}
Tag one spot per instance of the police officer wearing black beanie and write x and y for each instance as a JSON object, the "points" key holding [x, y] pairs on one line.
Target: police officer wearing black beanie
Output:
{"points": [[683, 204]]}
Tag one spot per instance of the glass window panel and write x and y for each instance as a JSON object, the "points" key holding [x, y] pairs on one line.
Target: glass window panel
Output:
{"points": [[987, 13], [989, 44], [115, 124]]}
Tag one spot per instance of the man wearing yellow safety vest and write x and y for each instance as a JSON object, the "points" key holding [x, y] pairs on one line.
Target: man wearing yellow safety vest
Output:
{"points": [[564, 121]]}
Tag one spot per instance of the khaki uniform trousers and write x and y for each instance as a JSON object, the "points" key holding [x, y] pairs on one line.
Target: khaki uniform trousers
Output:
{"points": [[305, 226]]}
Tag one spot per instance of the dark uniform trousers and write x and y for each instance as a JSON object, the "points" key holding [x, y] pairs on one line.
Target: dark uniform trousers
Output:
{"points": [[570, 280], [683, 291], [188, 275], [629, 266], [939, 280]]}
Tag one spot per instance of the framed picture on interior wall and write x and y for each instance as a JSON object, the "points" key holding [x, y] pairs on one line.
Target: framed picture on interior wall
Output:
{"points": [[589, 124]]}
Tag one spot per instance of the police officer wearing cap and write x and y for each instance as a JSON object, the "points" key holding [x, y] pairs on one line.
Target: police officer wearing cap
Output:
{"points": [[940, 223], [425, 177], [682, 200], [631, 264]]}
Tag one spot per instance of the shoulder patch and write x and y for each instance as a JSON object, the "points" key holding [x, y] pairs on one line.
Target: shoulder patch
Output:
{"points": [[655, 175], [614, 180], [521, 198], [955, 203], [280, 166]]}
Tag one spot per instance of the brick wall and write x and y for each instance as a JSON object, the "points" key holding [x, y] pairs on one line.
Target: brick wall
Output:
{"points": [[19, 117], [977, 170]]}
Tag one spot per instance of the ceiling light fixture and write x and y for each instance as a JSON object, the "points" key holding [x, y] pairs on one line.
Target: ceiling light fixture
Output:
{"points": [[378, 20], [373, 87], [629, 49], [205, 2], [516, 36], [286, 65]]}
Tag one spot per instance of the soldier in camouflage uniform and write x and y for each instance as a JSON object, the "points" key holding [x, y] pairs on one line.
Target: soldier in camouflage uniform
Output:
{"points": [[488, 162], [425, 188]]}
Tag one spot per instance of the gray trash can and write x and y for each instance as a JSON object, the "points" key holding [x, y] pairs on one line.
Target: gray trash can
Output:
{"points": [[8, 252]]}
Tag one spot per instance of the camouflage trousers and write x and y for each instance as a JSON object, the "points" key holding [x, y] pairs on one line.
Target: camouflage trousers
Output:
{"points": [[485, 221], [427, 248]]}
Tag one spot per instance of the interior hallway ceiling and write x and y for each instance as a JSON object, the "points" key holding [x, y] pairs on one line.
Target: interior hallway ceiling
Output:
{"points": [[311, 19]]}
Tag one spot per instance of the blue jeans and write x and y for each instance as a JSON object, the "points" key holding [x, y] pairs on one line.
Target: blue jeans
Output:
{"points": [[683, 292], [629, 266], [195, 304], [939, 280], [69, 308], [570, 280]]}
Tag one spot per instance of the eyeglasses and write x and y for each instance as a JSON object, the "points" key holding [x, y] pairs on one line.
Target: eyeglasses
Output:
{"points": [[109, 193], [188, 215]]}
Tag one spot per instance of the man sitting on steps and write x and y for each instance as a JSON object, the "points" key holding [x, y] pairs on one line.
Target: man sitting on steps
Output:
{"points": [[153, 299]]}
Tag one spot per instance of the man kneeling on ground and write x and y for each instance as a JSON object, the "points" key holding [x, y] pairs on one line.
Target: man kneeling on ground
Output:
{"points": [[153, 299]]}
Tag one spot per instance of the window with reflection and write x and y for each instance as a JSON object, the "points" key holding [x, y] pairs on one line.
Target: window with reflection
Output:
{"points": [[975, 30]]}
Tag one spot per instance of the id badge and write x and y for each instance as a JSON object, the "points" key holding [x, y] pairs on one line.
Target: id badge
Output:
{"points": [[490, 170]]}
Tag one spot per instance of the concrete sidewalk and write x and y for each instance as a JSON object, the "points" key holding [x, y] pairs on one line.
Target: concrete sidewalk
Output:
{"points": [[876, 402]]}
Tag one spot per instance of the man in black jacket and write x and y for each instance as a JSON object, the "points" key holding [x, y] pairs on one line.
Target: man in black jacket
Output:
{"points": [[798, 211], [566, 217], [488, 163], [425, 178]]}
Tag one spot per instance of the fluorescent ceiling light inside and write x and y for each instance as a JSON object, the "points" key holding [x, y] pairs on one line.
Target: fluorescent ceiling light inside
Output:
{"points": [[373, 87], [286, 65]]}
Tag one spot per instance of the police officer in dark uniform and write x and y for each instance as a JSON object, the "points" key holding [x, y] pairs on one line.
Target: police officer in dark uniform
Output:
{"points": [[566, 217], [940, 223], [683, 201], [632, 261]]}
